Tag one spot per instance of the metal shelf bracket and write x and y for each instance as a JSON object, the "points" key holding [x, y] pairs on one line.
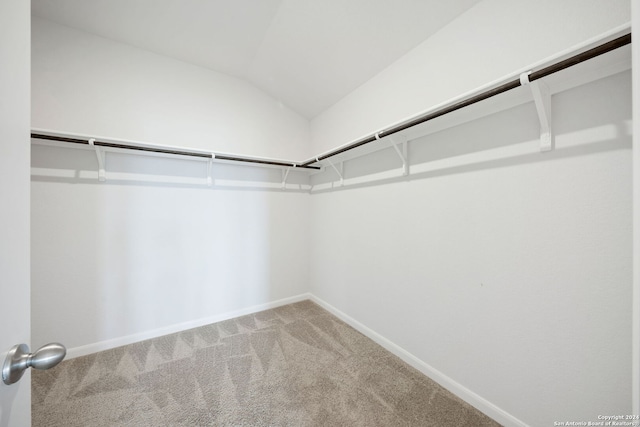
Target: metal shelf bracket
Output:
{"points": [[542, 99], [101, 155]]}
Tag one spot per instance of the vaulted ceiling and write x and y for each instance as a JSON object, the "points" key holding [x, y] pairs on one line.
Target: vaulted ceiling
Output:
{"points": [[306, 53]]}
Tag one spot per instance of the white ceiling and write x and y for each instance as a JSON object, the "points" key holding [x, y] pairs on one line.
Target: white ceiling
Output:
{"points": [[306, 53]]}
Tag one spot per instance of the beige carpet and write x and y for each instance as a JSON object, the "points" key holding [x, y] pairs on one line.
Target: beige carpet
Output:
{"points": [[295, 365]]}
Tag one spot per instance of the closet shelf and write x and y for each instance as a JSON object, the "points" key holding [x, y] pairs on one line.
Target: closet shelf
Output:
{"points": [[595, 59], [115, 145]]}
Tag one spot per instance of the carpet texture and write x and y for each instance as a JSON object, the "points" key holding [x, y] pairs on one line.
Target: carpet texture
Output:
{"points": [[295, 365]]}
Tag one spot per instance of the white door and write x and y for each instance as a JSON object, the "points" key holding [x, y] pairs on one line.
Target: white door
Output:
{"points": [[15, 327]]}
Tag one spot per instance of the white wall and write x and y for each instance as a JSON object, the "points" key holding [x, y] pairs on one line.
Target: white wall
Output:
{"points": [[91, 85], [489, 41], [507, 270], [124, 257]]}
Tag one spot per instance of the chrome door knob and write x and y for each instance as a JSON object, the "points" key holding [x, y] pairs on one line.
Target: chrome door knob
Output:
{"points": [[19, 359]]}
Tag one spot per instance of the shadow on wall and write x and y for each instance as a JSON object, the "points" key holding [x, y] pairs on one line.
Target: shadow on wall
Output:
{"points": [[166, 257], [78, 165], [123, 257]]}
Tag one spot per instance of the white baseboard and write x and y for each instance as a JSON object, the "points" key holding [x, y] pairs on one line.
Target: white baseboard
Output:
{"points": [[454, 387], [141, 336]]}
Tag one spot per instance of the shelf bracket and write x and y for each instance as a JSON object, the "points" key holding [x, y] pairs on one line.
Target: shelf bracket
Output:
{"points": [[102, 176], [210, 170], [396, 140], [542, 99], [339, 172], [285, 174]]}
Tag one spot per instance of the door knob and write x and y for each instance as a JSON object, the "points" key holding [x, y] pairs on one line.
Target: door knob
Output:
{"points": [[19, 359]]}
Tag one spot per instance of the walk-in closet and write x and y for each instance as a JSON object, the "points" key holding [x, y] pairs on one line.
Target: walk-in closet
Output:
{"points": [[287, 213]]}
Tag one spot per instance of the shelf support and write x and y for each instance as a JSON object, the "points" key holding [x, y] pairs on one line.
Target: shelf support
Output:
{"points": [[102, 176], [339, 172], [396, 140], [542, 99], [285, 174], [210, 170]]}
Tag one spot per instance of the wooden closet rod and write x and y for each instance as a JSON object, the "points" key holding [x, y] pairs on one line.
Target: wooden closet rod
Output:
{"points": [[535, 75]]}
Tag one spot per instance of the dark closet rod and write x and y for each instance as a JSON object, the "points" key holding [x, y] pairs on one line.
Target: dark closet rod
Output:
{"points": [[535, 75], [167, 151]]}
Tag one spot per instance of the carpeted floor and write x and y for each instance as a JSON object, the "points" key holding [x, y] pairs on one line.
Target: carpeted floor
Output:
{"points": [[295, 365]]}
